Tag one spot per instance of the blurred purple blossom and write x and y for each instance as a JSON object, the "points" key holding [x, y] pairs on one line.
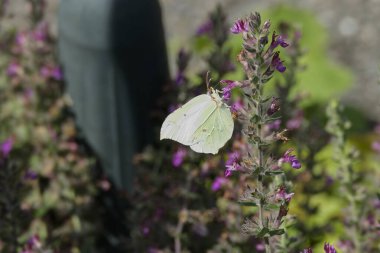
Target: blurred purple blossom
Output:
{"points": [[205, 28], [377, 129], [51, 72], [329, 248], [145, 230], [56, 73], [277, 63], [178, 157], [180, 79], [6, 147], [30, 175], [309, 250], [281, 194], [275, 125], [260, 246], [240, 26], [291, 159], [21, 39], [153, 250], [295, 122], [232, 163], [14, 69], [346, 245], [376, 146], [237, 106], [41, 32], [218, 183]]}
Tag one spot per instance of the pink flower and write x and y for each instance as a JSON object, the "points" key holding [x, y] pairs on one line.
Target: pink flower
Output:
{"points": [[237, 106], [295, 122]]}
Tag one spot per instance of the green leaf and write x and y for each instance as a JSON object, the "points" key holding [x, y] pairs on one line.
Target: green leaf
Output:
{"points": [[276, 232], [246, 203]]}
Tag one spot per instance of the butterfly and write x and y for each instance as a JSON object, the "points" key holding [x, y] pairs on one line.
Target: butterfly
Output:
{"points": [[204, 123]]}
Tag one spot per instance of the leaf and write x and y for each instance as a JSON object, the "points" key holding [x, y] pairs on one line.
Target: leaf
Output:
{"points": [[246, 203], [276, 232]]}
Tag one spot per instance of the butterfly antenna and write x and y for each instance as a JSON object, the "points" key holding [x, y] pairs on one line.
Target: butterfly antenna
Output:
{"points": [[208, 81]]}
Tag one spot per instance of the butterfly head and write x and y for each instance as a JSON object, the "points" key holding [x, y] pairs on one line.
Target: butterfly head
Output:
{"points": [[214, 94]]}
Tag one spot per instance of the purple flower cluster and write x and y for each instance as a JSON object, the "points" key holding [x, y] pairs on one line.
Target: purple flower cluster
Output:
{"points": [[178, 157], [218, 183], [14, 69], [277, 63], [51, 72], [329, 248], [6, 147], [278, 40], [239, 26], [32, 245], [282, 195], [291, 159], [232, 163], [205, 28]]}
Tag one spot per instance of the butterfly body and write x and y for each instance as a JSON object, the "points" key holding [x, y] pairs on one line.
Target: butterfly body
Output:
{"points": [[204, 124]]}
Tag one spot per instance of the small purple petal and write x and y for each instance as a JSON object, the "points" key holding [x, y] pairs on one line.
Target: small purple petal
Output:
{"points": [[30, 175], [6, 147], [13, 69], [240, 26], [56, 73], [205, 28], [277, 63], [178, 157], [376, 146], [309, 250], [329, 248], [218, 183]]}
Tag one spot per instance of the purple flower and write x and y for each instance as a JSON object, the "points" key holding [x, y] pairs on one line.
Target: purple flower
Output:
{"points": [[21, 39], [179, 79], [227, 90], [178, 157], [33, 243], [30, 175], [275, 125], [232, 163], [40, 33], [6, 147], [329, 248], [278, 40], [273, 107], [376, 146], [218, 183], [309, 250], [13, 69], [172, 108], [56, 73], [291, 159], [237, 106], [45, 72], [260, 246], [295, 122], [281, 194], [277, 63], [239, 26], [153, 250], [205, 28], [145, 230]]}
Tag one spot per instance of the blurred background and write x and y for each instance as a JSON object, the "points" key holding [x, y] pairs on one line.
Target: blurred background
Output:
{"points": [[86, 84]]}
